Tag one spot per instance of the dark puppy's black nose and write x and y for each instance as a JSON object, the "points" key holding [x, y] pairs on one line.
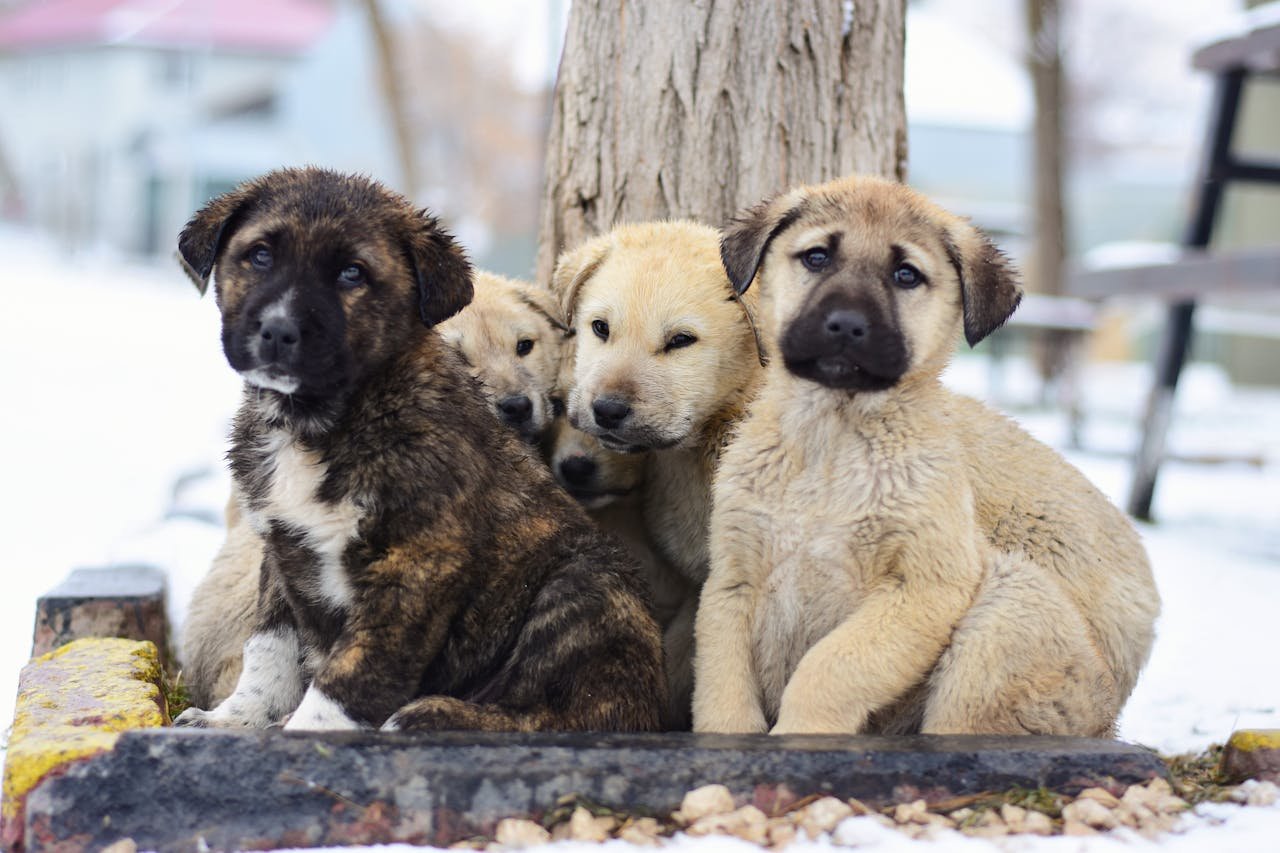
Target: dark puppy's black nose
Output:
{"points": [[610, 412], [516, 409], [277, 339], [577, 470], [845, 323]]}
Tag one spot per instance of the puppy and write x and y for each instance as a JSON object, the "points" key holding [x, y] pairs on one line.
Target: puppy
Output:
{"points": [[420, 570], [511, 340], [607, 484], [887, 556], [665, 361], [513, 345]]}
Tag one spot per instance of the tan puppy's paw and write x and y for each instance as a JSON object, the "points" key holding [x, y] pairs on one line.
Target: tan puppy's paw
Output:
{"points": [[726, 719]]}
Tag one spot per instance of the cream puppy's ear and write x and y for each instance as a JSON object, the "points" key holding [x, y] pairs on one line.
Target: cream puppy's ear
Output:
{"points": [[573, 269], [989, 287], [744, 241], [543, 303]]}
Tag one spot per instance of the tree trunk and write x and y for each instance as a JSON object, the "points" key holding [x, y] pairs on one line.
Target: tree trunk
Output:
{"points": [[673, 108], [389, 77], [1044, 32]]}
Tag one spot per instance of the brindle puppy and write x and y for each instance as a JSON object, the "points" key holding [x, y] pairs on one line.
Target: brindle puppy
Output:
{"points": [[421, 568]]}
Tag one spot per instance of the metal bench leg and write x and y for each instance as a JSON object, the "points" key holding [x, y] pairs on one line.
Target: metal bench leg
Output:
{"points": [[1178, 326]]}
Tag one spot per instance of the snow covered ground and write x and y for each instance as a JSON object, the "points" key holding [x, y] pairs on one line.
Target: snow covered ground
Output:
{"points": [[115, 390]]}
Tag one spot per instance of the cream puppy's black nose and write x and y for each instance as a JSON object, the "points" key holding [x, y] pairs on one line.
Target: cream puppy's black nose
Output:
{"points": [[610, 412]]}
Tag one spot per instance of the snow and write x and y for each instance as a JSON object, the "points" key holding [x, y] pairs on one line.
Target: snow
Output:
{"points": [[117, 402]]}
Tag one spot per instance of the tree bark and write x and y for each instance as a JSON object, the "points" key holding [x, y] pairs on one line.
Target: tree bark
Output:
{"points": [[698, 108], [1044, 32], [389, 77]]}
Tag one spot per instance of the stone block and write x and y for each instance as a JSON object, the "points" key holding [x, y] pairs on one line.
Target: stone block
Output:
{"points": [[72, 704], [1252, 754], [122, 601]]}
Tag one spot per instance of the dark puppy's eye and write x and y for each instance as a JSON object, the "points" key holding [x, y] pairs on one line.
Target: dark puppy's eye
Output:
{"points": [[681, 340], [907, 276], [352, 276], [260, 257], [524, 346], [815, 259], [601, 328]]}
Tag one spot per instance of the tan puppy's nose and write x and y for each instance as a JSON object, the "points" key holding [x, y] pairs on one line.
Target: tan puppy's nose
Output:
{"points": [[846, 325]]}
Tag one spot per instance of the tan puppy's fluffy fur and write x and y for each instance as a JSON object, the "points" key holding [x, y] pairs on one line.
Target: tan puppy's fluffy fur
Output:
{"points": [[502, 313], [659, 331], [888, 556]]}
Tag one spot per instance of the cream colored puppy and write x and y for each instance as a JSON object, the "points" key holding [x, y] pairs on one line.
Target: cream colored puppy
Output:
{"points": [[887, 556], [510, 337], [665, 361], [512, 342]]}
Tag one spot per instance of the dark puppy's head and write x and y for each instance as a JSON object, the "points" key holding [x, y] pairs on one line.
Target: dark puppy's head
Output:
{"points": [[865, 283], [321, 278]]}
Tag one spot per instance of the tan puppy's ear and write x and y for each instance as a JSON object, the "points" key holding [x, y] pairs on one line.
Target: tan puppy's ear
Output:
{"points": [[204, 235], [989, 287], [746, 238], [543, 303], [573, 269], [441, 268]]}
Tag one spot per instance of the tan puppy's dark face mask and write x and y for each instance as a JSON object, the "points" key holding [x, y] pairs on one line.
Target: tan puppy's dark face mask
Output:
{"points": [[864, 282]]}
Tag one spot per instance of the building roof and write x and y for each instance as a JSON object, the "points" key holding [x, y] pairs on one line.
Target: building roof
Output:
{"points": [[272, 26]]}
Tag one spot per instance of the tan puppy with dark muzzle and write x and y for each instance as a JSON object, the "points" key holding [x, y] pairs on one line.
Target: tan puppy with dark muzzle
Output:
{"points": [[887, 556]]}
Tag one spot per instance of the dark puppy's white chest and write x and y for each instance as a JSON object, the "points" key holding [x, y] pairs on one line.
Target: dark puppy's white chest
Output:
{"points": [[289, 498]]}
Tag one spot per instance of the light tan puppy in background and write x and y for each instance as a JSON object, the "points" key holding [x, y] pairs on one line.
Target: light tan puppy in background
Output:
{"points": [[513, 343], [665, 361], [888, 556]]}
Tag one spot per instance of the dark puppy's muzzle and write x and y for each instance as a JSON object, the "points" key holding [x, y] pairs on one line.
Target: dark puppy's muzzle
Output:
{"points": [[845, 342], [278, 342]]}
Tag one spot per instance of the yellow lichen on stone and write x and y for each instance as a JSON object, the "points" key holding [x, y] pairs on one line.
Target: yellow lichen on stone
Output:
{"points": [[73, 703], [1249, 740]]}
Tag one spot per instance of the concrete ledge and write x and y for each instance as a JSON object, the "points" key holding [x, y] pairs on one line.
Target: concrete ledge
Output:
{"points": [[72, 704], [121, 601], [1252, 754], [191, 790]]}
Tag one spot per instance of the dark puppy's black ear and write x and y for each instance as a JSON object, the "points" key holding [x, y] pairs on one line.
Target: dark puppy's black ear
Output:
{"points": [[989, 286], [203, 236], [746, 238], [442, 270]]}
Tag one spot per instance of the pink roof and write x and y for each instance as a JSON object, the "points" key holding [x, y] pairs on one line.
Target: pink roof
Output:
{"points": [[275, 26]]}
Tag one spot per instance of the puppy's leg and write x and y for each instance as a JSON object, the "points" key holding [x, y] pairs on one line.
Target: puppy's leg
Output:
{"points": [[726, 688], [445, 713], [883, 648], [271, 678], [677, 646], [1021, 662]]}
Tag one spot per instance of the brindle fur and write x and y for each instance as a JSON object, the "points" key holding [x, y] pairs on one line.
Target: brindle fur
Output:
{"points": [[471, 592]]}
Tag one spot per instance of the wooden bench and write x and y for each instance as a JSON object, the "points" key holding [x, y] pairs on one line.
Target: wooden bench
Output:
{"points": [[1252, 50]]}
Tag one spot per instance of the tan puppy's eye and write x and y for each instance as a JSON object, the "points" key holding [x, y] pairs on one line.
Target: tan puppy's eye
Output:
{"points": [[260, 258], [524, 346], [351, 277], [679, 341], [907, 276], [815, 259], [601, 328]]}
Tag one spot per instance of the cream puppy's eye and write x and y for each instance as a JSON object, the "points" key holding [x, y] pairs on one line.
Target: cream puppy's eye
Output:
{"points": [[679, 341], [601, 328], [907, 276], [815, 259], [524, 346]]}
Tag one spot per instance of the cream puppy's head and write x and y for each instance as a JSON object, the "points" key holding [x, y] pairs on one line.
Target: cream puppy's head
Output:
{"points": [[663, 345], [513, 343], [865, 285], [594, 475]]}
